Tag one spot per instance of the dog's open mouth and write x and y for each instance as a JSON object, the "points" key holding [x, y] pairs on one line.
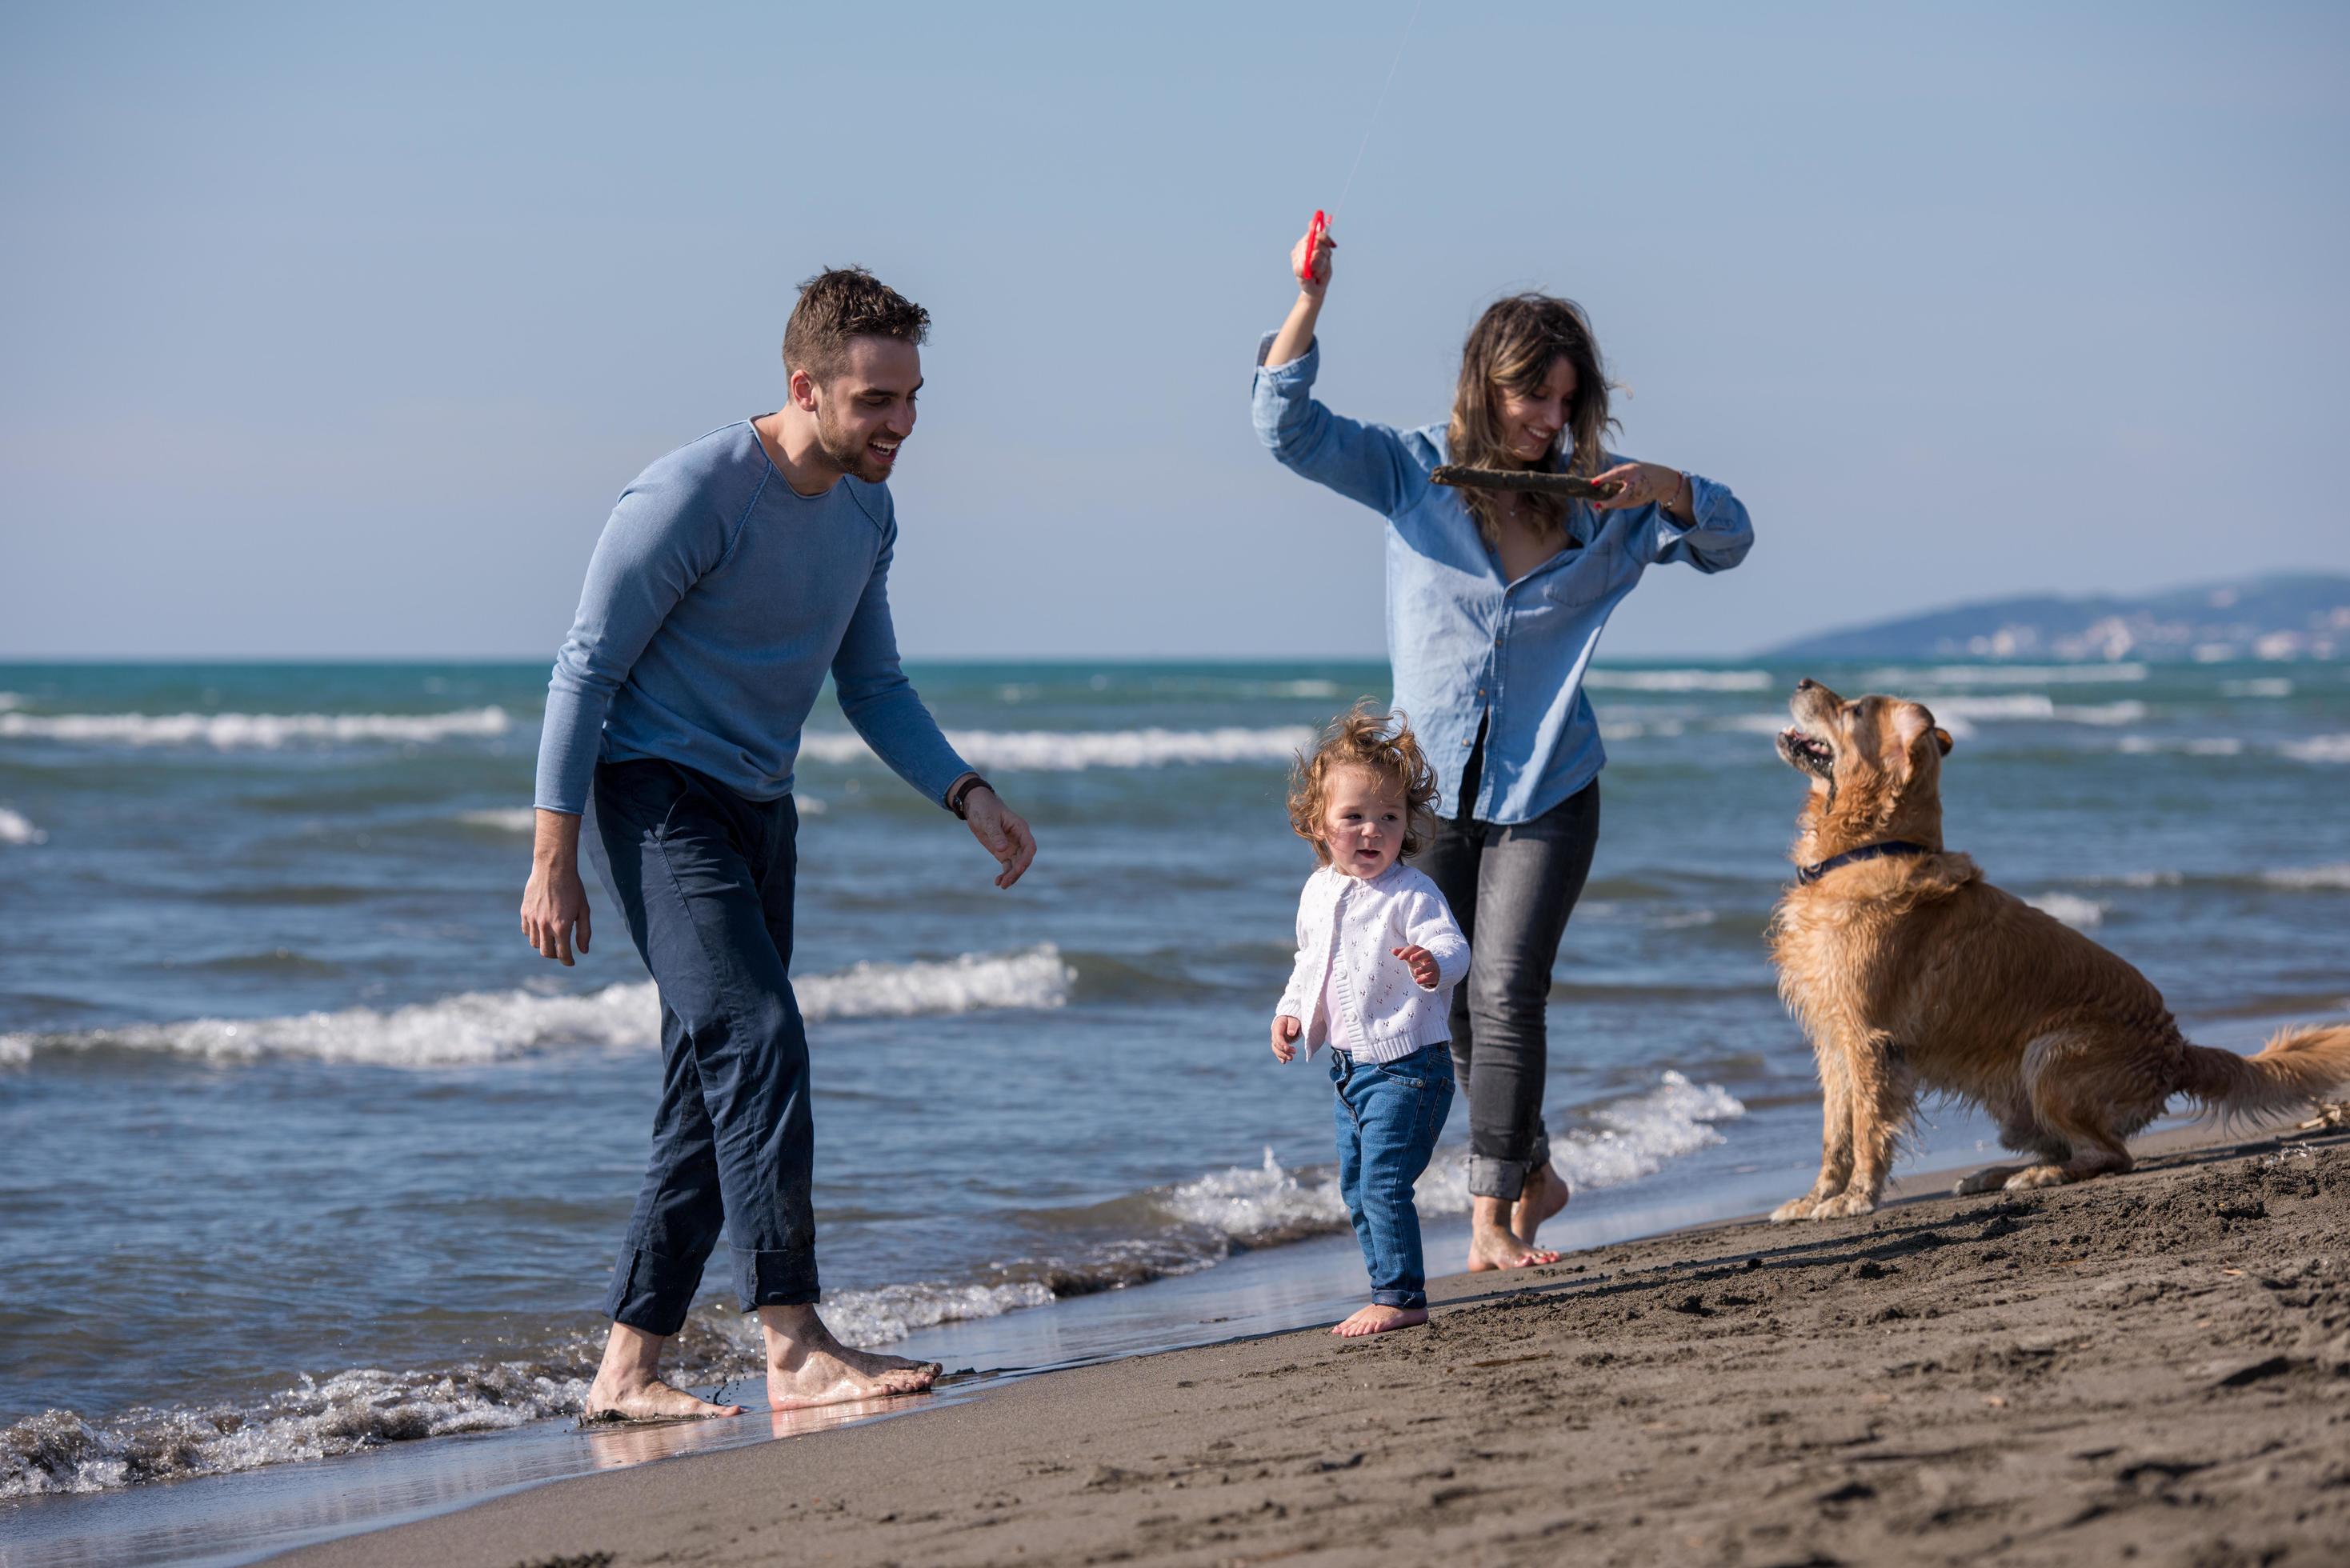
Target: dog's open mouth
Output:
{"points": [[1802, 750]]}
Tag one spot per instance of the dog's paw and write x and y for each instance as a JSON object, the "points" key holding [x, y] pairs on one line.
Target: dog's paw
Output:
{"points": [[1844, 1206], [1794, 1208], [2024, 1181], [1983, 1180]]}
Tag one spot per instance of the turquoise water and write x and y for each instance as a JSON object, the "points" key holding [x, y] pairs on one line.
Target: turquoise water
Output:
{"points": [[308, 1153]]}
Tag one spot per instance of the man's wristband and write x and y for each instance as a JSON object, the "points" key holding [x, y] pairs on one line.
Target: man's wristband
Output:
{"points": [[960, 794]]}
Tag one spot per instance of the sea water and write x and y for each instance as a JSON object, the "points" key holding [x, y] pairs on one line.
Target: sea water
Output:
{"points": [[302, 1152]]}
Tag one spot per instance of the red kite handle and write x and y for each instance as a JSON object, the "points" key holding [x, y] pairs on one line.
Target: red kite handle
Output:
{"points": [[1313, 233]]}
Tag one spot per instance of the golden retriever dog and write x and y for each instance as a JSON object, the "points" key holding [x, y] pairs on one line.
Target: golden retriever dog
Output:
{"points": [[1909, 972]]}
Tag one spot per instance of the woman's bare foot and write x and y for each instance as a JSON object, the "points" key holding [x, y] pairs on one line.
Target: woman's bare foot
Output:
{"points": [[807, 1367], [1492, 1247], [1545, 1194], [1377, 1319], [1493, 1244]]}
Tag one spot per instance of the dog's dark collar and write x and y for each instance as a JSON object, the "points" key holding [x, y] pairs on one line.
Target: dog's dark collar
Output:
{"points": [[1807, 875]]}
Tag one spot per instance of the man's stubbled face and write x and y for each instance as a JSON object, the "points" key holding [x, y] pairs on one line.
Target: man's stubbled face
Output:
{"points": [[865, 413]]}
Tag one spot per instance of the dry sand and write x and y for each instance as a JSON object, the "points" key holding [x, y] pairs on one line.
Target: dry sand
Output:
{"points": [[2153, 1368]]}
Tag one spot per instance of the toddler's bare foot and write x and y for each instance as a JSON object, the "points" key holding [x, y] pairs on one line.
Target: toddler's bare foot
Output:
{"points": [[1377, 1319], [650, 1399], [1492, 1246], [1545, 1194]]}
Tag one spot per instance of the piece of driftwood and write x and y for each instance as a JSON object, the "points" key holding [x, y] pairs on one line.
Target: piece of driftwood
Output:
{"points": [[1525, 478]]}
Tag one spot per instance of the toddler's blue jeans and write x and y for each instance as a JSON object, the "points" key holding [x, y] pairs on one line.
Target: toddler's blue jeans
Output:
{"points": [[704, 879], [1389, 1116]]}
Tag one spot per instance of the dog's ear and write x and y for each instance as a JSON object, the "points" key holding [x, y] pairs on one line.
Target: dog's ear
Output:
{"points": [[1942, 739], [1910, 722]]}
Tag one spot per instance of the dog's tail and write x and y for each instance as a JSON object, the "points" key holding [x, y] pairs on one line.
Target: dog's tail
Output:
{"points": [[2296, 1067]]}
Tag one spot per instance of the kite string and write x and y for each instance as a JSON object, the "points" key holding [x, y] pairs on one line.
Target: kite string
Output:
{"points": [[1376, 105]]}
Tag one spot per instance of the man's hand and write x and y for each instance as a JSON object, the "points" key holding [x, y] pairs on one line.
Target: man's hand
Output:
{"points": [[553, 901], [1285, 1031], [1646, 484], [1001, 831], [1422, 964]]}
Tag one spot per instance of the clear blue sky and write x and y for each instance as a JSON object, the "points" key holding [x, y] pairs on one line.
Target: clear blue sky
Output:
{"points": [[334, 330]]}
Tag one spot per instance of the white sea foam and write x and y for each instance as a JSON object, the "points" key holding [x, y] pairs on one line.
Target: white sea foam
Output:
{"points": [[2267, 686], [1894, 679], [2308, 877], [230, 731], [16, 827], [2036, 706], [870, 1319], [505, 819], [1072, 750], [1627, 1139], [2318, 749], [492, 1026], [2081, 913], [59, 1452], [2204, 747], [1603, 679]]}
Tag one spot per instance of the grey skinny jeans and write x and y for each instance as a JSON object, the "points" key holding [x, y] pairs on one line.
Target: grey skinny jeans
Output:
{"points": [[1512, 889]]}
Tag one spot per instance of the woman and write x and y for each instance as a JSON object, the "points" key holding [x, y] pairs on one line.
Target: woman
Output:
{"points": [[1495, 602]]}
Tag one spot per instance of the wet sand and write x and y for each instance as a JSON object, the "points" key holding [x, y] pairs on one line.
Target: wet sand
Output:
{"points": [[2153, 1368]]}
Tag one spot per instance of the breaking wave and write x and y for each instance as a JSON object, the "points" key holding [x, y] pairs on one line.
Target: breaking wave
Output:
{"points": [[492, 1026], [2205, 746], [2081, 913], [2318, 749], [2308, 877], [1625, 1140], [1678, 679], [17, 828], [2007, 675], [232, 731], [61, 1452], [1074, 751], [503, 819]]}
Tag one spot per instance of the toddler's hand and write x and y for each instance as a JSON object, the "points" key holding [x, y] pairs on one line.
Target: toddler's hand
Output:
{"points": [[1285, 1031], [1423, 966]]}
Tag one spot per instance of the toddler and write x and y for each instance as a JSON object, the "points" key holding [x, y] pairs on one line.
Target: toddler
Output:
{"points": [[1378, 957]]}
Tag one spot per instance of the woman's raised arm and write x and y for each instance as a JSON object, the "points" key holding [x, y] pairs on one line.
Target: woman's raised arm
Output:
{"points": [[1363, 463], [1313, 274]]}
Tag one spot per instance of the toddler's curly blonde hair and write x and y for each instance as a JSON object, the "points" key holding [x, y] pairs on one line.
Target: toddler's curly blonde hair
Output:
{"points": [[1382, 744]]}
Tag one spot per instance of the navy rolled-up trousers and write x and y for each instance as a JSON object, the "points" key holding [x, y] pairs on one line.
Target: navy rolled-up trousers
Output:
{"points": [[704, 880]]}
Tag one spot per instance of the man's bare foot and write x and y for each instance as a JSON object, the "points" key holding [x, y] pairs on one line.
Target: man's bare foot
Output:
{"points": [[650, 1401], [629, 1386], [1545, 1194], [1377, 1319], [807, 1367]]}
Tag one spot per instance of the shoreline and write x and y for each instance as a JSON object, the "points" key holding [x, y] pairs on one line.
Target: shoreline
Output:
{"points": [[1679, 1393]]}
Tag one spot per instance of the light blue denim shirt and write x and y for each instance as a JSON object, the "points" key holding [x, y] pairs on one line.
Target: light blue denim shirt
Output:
{"points": [[717, 599], [1467, 646]]}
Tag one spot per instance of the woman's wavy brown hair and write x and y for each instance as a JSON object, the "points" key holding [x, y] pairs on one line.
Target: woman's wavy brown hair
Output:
{"points": [[1365, 737], [1512, 348]]}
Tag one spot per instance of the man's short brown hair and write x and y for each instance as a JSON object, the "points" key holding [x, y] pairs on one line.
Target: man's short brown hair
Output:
{"points": [[841, 303]]}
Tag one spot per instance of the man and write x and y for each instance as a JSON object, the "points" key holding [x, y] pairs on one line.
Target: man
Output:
{"points": [[732, 575]]}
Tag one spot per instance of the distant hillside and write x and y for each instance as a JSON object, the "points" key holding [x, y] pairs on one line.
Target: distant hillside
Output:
{"points": [[2299, 615]]}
